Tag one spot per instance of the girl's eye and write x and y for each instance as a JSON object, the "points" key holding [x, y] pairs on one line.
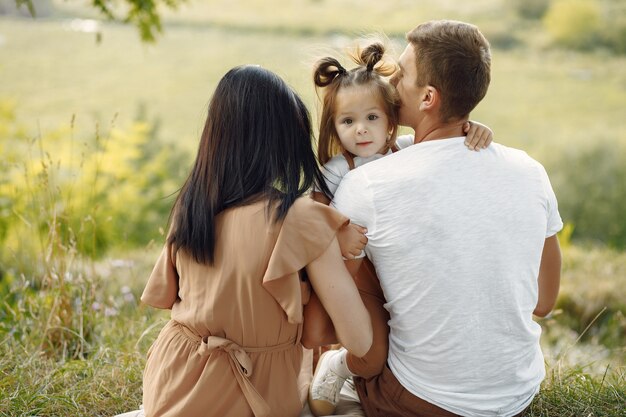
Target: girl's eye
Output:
{"points": [[372, 117], [347, 121]]}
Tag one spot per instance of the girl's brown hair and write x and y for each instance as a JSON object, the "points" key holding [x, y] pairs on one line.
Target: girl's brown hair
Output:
{"points": [[331, 76]]}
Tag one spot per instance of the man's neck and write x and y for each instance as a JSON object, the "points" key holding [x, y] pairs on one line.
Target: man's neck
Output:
{"points": [[437, 131]]}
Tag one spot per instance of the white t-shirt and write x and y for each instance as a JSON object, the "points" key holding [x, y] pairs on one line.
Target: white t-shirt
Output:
{"points": [[335, 169], [456, 238]]}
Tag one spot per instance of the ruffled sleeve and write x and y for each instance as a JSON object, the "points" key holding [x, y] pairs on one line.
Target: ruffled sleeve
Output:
{"points": [[162, 288], [306, 232]]}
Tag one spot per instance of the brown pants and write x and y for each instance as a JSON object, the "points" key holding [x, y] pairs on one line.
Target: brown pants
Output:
{"points": [[384, 396], [375, 359]]}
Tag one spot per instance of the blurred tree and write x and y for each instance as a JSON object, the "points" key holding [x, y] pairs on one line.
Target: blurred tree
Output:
{"points": [[144, 14], [531, 9], [574, 24], [590, 184], [588, 24], [57, 193], [614, 29], [25, 8]]}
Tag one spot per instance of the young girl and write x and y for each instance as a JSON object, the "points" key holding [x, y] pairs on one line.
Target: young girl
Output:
{"points": [[359, 124]]}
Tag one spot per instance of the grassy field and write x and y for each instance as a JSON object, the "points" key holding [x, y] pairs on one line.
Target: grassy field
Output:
{"points": [[73, 336], [96, 370], [539, 98]]}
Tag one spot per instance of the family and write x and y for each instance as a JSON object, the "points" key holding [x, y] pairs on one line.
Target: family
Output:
{"points": [[421, 260]]}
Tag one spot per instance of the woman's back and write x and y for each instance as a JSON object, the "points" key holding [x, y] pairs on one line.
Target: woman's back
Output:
{"points": [[230, 270], [227, 299], [236, 323]]}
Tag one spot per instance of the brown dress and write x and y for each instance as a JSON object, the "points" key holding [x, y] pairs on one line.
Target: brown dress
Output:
{"points": [[232, 346]]}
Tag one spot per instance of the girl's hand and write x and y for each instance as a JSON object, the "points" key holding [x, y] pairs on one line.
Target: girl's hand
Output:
{"points": [[352, 240], [478, 136]]}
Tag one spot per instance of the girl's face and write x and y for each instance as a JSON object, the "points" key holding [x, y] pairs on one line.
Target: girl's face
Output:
{"points": [[361, 122]]}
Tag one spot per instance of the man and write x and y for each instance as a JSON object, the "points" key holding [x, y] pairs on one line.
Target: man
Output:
{"points": [[464, 244]]}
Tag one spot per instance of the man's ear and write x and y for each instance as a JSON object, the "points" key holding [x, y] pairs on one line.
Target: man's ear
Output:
{"points": [[430, 98]]}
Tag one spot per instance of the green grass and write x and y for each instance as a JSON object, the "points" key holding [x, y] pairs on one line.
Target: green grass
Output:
{"points": [[539, 99], [42, 373], [574, 393], [583, 379]]}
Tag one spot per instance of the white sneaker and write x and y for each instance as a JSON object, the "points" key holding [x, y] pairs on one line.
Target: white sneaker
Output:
{"points": [[325, 387]]}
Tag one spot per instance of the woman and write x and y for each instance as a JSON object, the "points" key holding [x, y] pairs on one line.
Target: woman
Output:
{"points": [[242, 230]]}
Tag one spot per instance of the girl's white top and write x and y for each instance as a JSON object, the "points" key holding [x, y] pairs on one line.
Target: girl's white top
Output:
{"points": [[335, 169]]}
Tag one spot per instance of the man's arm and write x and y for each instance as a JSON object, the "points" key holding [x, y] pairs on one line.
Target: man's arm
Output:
{"points": [[549, 276]]}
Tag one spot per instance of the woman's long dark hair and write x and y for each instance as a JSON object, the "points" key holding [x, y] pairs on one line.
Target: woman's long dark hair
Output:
{"points": [[256, 144]]}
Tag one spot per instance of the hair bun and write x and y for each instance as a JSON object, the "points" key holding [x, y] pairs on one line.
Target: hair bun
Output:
{"points": [[374, 59], [372, 54], [326, 70]]}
